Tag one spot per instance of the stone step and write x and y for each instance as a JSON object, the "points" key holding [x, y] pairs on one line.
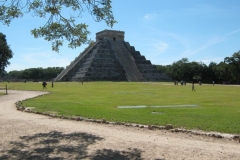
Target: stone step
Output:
{"points": [[127, 61]]}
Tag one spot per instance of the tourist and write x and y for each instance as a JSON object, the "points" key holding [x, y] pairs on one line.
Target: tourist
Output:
{"points": [[44, 84], [200, 83], [193, 88]]}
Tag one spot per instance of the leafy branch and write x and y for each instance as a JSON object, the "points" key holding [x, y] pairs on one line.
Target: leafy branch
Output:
{"points": [[58, 26]]}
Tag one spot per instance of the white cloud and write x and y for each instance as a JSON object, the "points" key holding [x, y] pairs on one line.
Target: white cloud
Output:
{"points": [[153, 46], [150, 16], [34, 59], [184, 41], [45, 59], [191, 49], [160, 47], [232, 33], [208, 44], [154, 49]]}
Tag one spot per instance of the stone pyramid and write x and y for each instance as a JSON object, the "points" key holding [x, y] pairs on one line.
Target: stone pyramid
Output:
{"points": [[111, 58]]}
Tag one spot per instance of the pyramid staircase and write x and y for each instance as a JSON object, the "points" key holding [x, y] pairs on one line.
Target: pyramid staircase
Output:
{"points": [[127, 61], [101, 64]]}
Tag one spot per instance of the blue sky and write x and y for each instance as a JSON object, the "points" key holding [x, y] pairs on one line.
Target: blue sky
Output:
{"points": [[163, 31]]}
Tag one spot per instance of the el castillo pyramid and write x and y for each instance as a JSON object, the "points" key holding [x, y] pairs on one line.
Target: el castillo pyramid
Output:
{"points": [[111, 58]]}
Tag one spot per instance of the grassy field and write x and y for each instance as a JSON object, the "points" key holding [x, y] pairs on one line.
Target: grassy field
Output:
{"points": [[210, 108]]}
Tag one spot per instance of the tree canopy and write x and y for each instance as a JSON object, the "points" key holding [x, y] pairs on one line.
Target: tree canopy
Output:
{"points": [[59, 27], [5, 53], [234, 65], [35, 74], [227, 71]]}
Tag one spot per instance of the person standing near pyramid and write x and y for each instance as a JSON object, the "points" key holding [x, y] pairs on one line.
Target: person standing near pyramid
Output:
{"points": [[193, 88], [44, 84]]}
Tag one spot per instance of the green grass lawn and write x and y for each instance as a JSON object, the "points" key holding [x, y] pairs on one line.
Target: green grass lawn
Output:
{"points": [[217, 107]]}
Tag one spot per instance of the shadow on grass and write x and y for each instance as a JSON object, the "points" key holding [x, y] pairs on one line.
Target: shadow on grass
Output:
{"points": [[57, 146]]}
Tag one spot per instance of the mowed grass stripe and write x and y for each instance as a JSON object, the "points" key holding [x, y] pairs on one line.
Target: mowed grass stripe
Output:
{"points": [[218, 107]]}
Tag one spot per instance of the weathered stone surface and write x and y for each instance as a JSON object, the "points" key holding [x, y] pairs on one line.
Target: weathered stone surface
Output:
{"points": [[150, 127], [111, 58], [104, 121], [168, 126]]}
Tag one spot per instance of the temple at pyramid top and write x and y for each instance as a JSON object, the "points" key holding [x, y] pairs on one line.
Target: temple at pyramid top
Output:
{"points": [[110, 34], [111, 58]]}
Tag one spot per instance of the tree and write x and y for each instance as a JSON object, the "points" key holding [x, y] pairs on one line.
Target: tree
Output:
{"points": [[234, 65], [227, 71], [15, 74], [36, 74], [210, 73], [175, 70], [59, 27], [3, 75], [5, 53]]}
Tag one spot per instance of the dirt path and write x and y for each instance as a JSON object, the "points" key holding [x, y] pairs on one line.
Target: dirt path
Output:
{"points": [[31, 136]]}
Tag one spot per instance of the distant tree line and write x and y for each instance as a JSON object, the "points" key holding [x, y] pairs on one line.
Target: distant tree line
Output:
{"points": [[227, 71], [34, 74]]}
